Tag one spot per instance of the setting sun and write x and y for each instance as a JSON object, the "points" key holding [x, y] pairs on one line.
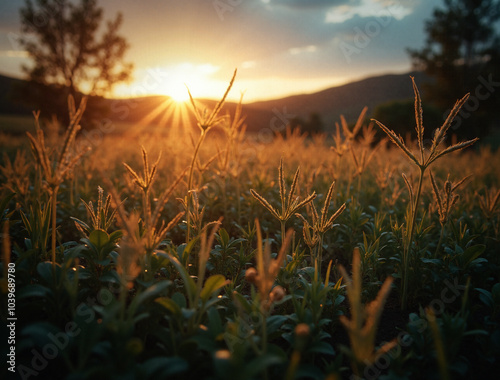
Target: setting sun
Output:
{"points": [[174, 81], [177, 91]]}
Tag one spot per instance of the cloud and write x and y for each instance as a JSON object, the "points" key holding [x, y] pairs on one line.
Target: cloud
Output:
{"points": [[303, 49], [370, 8], [14, 53], [248, 65], [384, 50]]}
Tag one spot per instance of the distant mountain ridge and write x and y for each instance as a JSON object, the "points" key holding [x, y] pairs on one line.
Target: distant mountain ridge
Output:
{"points": [[347, 100]]}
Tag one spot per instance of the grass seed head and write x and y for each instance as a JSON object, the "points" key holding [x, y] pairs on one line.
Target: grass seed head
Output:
{"points": [[289, 206], [489, 202], [447, 199]]}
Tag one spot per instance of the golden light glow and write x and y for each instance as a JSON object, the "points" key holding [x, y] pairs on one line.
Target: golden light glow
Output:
{"points": [[173, 81], [178, 92], [178, 78], [172, 118]]}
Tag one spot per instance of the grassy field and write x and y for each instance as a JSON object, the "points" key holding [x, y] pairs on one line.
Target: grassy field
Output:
{"points": [[229, 256]]}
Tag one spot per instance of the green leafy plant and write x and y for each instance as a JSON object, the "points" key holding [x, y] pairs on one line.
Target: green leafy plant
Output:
{"points": [[256, 312], [101, 218], [313, 302], [37, 223], [200, 295]]}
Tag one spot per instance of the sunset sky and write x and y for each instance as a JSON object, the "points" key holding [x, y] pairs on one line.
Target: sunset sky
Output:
{"points": [[280, 47]]}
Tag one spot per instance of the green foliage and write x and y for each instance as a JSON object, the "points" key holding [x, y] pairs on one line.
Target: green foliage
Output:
{"points": [[37, 225]]}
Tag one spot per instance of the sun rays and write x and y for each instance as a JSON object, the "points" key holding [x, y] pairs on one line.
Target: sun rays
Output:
{"points": [[169, 117]]}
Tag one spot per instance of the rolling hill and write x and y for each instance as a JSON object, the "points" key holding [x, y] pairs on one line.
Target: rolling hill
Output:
{"points": [[348, 100]]}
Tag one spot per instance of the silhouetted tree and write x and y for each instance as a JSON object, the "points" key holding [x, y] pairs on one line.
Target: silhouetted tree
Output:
{"points": [[314, 124], [72, 52], [462, 54], [400, 115]]}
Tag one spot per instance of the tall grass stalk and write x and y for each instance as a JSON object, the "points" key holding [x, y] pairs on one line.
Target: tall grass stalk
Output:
{"points": [[438, 344], [363, 324], [264, 277], [314, 232], [445, 202], [54, 170], [233, 131], [205, 123], [153, 234], [423, 163]]}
